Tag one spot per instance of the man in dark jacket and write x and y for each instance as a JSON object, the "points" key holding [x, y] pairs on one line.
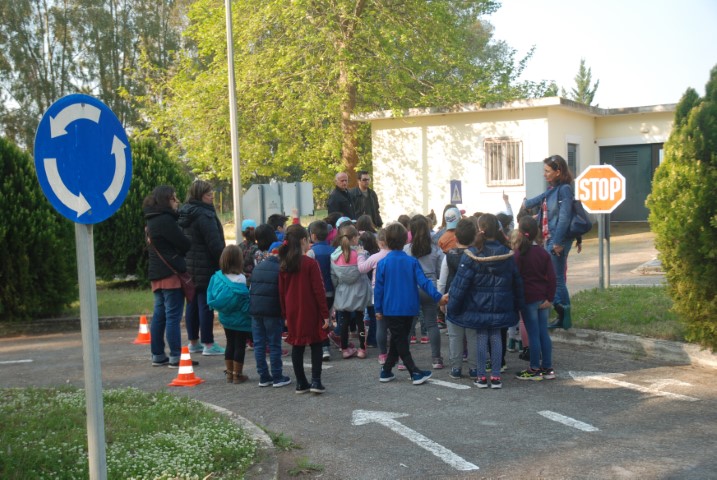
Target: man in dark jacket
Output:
{"points": [[340, 199], [364, 199]]}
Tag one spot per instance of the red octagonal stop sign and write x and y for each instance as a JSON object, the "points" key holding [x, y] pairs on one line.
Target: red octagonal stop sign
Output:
{"points": [[601, 188]]}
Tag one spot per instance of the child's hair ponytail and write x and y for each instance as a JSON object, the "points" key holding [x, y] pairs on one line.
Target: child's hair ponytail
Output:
{"points": [[527, 231], [489, 229], [347, 234], [290, 251]]}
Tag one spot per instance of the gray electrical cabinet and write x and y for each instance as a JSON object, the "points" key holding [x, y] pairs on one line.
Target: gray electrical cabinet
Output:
{"points": [[263, 200]]}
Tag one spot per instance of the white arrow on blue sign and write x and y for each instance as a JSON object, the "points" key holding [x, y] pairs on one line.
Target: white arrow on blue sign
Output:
{"points": [[82, 159]]}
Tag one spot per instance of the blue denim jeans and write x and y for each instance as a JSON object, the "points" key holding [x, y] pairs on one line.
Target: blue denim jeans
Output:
{"points": [[536, 324], [267, 331], [199, 318], [560, 263], [166, 319]]}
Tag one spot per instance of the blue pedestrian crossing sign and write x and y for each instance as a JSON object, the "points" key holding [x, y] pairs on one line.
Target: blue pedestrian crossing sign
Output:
{"points": [[83, 159], [456, 192]]}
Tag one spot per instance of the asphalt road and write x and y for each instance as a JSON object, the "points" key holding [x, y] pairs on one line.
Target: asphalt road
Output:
{"points": [[607, 415]]}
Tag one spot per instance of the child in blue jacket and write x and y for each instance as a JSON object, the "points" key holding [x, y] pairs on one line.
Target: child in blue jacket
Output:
{"points": [[487, 294], [228, 294], [396, 300]]}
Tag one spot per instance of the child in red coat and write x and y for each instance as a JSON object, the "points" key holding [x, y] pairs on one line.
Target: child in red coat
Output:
{"points": [[303, 305]]}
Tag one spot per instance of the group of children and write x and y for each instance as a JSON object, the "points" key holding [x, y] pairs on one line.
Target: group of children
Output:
{"points": [[480, 279]]}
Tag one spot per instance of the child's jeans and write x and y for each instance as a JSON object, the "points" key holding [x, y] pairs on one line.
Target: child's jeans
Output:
{"points": [[456, 336]]}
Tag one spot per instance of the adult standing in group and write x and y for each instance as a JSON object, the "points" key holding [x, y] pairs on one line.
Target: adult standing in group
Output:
{"points": [[556, 205], [202, 226], [364, 199], [340, 198], [167, 244]]}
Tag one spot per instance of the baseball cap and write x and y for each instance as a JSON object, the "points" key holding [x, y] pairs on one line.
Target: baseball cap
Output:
{"points": [[247, 224], [452, 217]]}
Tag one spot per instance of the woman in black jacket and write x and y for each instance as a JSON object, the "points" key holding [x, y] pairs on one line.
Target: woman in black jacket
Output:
{"points": [[201, 225], [165, 236]]}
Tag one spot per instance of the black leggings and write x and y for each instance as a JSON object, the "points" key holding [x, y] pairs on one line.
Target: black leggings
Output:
{"points": [[297, 360], [349, 319], [236, 345]]}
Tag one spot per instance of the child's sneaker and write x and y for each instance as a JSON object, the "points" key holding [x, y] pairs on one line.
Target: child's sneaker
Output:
{"points": [[401, 366], [283, 382], [495, 382], [424, 340], [361, 353], [326, 355], [437, 363], [473, 373], [348, 352], [385, 376], [214, 350], [529, 374], [547, 373], [317, 387], [455, 373], [413, 340], [266, 382], [421, 376], [196, 348], [302, 388], [481, 382], [382, 358]]}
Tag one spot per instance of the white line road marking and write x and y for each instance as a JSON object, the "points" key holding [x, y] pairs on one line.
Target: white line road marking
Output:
{"points": [[8, 362], [307, 365], [570, 422], [387, 419], [457, 386], [587, 377]]}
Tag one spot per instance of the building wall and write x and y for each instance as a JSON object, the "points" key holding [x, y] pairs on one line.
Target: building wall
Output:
{"points": [[634, 129], [567, 126]]}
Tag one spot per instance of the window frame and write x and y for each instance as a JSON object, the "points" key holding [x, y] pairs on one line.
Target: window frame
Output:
{"points": [[500, 146]]}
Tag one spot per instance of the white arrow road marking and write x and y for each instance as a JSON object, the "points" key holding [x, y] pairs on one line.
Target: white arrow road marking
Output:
{"points": [[387, 419], [570, 422], [77, 203], [8, 362], [113, 191], [69, 114], [457, 386], [610, 378], [307, 365]]}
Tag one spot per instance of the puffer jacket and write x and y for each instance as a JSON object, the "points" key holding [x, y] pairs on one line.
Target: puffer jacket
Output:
{"points": [[264, 291], [167, 237], [487, 291], [201, 225], [559, 201], [231, 300], [352, 289]]}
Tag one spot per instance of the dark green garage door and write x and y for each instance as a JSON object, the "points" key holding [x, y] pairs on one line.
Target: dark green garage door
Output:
{"points": [[636, 163]]}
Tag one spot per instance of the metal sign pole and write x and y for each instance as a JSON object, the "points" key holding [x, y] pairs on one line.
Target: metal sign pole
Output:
{"points": [[96, 449], [601, 256], [607, 236]]}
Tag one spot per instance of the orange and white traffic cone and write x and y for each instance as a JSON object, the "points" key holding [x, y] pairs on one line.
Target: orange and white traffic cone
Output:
{"points": [[185, 377], [143, 337]]}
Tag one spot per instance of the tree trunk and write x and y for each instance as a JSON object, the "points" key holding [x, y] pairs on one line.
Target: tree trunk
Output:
{"points": [[349, 128]]}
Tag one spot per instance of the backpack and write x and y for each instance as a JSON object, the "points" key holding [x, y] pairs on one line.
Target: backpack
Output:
{"points": [[580, 222]]}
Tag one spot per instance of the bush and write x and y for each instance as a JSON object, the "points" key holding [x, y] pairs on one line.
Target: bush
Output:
{"points": [[120, 248], [683, 213], [38, 272]]}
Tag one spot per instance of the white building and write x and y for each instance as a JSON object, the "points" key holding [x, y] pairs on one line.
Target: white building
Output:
{"points": [[500, 147]]}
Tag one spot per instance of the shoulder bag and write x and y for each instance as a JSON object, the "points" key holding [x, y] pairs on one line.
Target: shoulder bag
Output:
{"points": [[185, 279]]}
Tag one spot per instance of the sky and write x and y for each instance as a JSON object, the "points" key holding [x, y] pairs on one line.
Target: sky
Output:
{"points": [[644, 52]]}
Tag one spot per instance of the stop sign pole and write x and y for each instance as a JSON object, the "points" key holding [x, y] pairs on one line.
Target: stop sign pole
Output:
{"points": [[601, 188]]}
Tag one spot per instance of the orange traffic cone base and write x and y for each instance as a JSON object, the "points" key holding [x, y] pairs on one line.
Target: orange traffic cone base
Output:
{"points": [[143, 337], [186, 377]]}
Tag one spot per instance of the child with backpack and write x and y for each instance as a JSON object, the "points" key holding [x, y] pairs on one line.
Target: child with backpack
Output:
{"points": [[486, 294]]}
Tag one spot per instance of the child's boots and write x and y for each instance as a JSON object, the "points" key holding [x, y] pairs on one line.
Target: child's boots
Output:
{"points": [[239, 376]]}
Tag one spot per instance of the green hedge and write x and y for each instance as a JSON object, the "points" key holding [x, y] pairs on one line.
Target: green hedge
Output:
{"points": [[38, 272], [683, 213]]}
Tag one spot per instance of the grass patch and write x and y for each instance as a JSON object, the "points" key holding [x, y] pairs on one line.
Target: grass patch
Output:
{"points": [[155, 436], [304, 466], [281, 441], [641, 311], [118, 302]]}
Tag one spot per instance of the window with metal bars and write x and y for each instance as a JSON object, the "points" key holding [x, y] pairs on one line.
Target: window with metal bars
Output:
{"points": [[504, 161]]}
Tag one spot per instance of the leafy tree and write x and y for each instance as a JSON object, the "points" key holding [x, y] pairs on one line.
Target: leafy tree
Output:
{"points": [[304, 68], [120, 247], [38, 273], [683, 213], [584, 92]]}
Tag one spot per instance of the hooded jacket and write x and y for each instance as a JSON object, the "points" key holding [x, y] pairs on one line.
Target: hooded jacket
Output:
{"points": [[352, 289], [167, 237], [201, 225], [231, 300], [487, 291]]}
